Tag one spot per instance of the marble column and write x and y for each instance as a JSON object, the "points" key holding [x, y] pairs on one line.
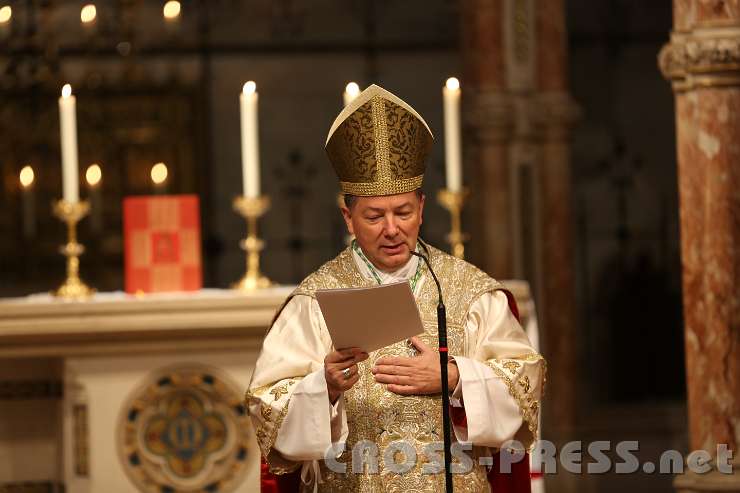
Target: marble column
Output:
{"points": [[487, 122], [556, 112], [702, 61], [519, 118]]}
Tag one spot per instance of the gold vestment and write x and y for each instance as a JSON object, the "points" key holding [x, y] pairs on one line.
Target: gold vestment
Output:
{"points": [[382, 417]]}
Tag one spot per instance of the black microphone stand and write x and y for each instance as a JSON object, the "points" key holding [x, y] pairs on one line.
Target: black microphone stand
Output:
{"points": [[443, 362]]}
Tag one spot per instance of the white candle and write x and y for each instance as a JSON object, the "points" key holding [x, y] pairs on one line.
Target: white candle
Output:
{"points": [[350, 92], [453, 149], [250, 140], [68, 126]]}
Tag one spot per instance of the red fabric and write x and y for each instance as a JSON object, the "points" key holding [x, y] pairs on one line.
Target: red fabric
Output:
{"points": [[517, 481], [268, 481], [162, 243], [283, 483], [512, 304], [458, 417]]}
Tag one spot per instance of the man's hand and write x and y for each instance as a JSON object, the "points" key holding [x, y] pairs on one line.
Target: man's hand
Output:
{"points": [[418, 375], [337, 380]]}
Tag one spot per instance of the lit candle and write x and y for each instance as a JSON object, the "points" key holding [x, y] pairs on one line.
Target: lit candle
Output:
{"points": [[88, 14], [159, 175], [250, 140], [171, 10], [27, 178], [171, 13], [68, 126], [6, 14], [453, 149], [93, 176], [350, 92]]}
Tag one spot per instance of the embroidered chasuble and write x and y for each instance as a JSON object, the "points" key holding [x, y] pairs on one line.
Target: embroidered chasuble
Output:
{"points": [[501, 381]]}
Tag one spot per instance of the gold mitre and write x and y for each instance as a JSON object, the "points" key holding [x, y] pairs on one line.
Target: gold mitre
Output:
{"points": [[378, 145]]}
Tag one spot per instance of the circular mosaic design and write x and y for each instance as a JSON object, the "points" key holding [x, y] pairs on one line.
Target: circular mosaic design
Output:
{"points": [[184, 430]]}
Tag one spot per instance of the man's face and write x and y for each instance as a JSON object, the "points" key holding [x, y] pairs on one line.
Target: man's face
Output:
{"points": [[386, 227]]}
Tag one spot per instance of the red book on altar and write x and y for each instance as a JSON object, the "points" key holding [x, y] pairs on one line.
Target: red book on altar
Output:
{"points": [[162, 243]]}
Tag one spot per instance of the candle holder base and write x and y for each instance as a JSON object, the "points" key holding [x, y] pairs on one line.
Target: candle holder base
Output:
{"points": [[454, 201], [249, 283], [73, 289], [251, 208]]}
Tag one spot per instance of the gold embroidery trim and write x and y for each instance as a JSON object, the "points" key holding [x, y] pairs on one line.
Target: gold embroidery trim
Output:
{"points": [[257, 392], [265, 436], [544, 378], [266, 445], [382, 153], [538, 357], [382, 187], [524, 384], [266, 411], [531, 357], [280, 390], [527, 410], [261, 436]]}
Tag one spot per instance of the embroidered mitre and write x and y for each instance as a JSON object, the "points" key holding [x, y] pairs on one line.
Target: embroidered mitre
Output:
{"points": [[378, 145]]}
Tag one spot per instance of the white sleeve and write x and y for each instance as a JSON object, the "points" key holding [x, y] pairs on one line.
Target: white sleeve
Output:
{"points": [[309, 409], [288, 393], [496, 385]]}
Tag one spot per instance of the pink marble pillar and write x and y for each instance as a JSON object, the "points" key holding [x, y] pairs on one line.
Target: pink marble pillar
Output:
{"points": [[556, 114], [552, 47], [703, 63], [519, 115], [487, 112]]}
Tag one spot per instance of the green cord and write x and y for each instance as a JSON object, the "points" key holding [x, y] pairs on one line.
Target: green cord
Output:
{"points": [[370, 266]]}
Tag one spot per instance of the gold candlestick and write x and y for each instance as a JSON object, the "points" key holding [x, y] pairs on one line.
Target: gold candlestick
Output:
{"points": [[251, 209], [453, 202], [71, 213]]}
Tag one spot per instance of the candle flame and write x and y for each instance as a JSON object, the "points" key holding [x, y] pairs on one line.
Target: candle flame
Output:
{"points": [[352, 89], [88, 13], [159, 173], [94, 174], [171, 9], [6, 12], [452, 84], [66, 91], [27, 176], [250, 87]]}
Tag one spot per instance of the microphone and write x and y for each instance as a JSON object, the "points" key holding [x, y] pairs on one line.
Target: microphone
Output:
{"points": [[443, 361]]}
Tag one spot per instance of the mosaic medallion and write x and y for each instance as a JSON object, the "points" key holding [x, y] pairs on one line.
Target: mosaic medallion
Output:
{"points": [[185, 430]]}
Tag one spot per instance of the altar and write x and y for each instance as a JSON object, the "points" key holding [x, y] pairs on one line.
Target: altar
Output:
{"points": [[125, 393], [137, 393]]}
